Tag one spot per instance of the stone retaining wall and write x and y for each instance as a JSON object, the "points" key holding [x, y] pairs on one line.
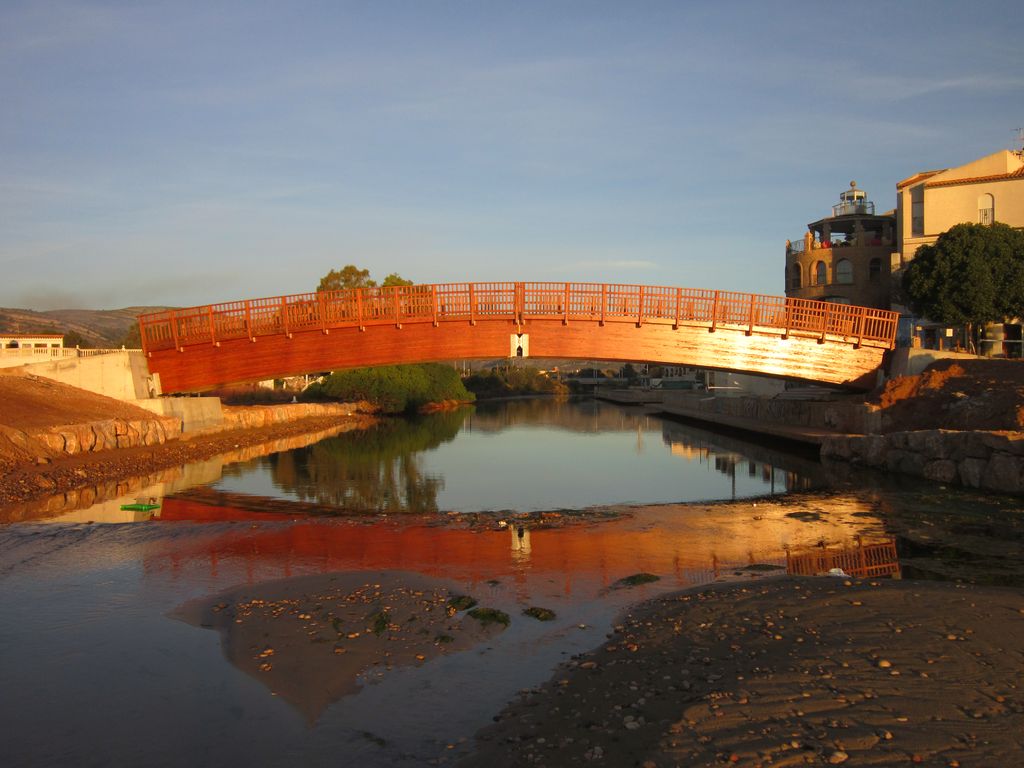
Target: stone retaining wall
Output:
{"points": [[993, 461], [839, 416], [53, 442], [105, 435], [254, 416]]}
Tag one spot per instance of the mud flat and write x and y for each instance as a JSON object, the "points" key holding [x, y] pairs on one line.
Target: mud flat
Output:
{"points": [[312, 640], [786, 672]]}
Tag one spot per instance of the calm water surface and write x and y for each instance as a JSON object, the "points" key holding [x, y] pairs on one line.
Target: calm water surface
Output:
{"points": [[521, 455], [95, 670]]}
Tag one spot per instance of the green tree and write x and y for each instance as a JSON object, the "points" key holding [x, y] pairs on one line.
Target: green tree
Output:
{"points": [[395, 388], [132, 338], [75, 339], [351, 276], [973, 274]]}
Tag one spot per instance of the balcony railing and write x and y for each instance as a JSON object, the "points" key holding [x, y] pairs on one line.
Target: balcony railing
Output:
{"points": [[862, 208], [515, 302]]}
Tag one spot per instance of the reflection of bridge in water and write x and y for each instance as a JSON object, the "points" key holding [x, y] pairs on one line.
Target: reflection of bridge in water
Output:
{"points": [[574, 559], [203, 347]]}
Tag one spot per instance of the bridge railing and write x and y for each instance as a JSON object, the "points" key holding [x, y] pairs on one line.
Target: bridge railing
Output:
{"points": [[516, 302]]}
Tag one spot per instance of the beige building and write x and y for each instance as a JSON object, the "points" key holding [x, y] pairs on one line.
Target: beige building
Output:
{"points": [[929, 203], [845, 258], [983, 191], [38, 341]]}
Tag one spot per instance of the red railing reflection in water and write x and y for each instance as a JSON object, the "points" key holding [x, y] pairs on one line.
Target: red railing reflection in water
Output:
{"points": [[574, 559], [517, 303], [865, 560]]}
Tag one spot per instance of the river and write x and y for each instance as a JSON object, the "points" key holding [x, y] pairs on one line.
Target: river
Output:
{"points": [[113, 652]]}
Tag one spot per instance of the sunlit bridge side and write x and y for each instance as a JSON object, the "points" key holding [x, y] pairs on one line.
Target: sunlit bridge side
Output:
{"points": [[203, 347]]}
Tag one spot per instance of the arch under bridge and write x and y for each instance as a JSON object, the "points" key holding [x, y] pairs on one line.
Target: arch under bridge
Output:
{"points": [[204, 347]]}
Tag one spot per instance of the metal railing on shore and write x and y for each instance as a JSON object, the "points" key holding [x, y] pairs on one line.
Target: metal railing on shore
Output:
{"points": [[515, 302]]}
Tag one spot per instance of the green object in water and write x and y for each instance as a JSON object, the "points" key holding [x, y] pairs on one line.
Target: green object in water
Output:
{"points": [[140, 507]]}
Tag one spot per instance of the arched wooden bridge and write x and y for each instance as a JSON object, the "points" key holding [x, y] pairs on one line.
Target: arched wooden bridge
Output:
{"points": [[203, 347]]}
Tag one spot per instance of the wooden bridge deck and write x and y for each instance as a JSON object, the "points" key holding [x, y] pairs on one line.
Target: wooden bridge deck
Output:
{"points": [[203, 347]]}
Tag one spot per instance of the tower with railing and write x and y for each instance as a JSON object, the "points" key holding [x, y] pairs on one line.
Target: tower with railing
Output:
{"points": [[844, 258]]}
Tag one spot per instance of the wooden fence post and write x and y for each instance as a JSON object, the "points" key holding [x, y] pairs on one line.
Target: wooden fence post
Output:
{"points": [[174, 330]]}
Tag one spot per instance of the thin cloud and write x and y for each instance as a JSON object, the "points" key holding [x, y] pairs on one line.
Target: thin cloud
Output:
{"points": [[643, 264], [895, 88]]}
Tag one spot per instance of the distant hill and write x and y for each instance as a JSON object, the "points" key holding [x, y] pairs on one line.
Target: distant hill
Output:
{"points": [[100, 327]]}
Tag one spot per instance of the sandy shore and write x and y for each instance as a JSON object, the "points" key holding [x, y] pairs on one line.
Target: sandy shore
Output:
{"points": [[786, 672], [780, 671]]}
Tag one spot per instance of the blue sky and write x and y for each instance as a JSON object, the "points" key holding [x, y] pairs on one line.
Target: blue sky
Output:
{"points": [[182, 153]]}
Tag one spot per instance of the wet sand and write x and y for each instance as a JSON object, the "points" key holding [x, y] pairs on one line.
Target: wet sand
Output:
{"points": [[313, 639], [786, 672]]}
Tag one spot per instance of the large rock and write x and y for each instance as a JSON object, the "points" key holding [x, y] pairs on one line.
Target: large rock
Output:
{"points": [[1004, 473], [941, 470], [971, 470], [876, 449]]}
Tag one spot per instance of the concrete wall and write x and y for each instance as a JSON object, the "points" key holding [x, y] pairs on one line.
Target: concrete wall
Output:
{"points": [[123, 375], [761, 412], [910, 362], [194, 413]]}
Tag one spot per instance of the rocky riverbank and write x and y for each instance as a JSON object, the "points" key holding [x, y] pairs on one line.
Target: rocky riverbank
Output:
{"points": [[56, 439], [991, 461]]}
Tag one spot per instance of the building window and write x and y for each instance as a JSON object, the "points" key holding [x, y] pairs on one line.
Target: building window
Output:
{"points": [[844, 272], [820, 273], [874, 270], [917, 211], [986, 209], [795, 276]]}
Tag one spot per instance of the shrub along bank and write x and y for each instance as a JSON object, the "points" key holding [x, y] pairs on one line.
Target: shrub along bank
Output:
{"points": [[394, 388], [504, 382]]}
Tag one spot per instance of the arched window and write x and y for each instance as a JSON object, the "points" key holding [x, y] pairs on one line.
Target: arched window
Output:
{"points": [[820, 273], [986, 209], [844, 272], [874, 270], [795, 276]]}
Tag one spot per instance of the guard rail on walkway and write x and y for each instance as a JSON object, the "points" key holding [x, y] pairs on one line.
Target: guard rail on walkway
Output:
{"points": [[516, 302], [11, 357]]}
